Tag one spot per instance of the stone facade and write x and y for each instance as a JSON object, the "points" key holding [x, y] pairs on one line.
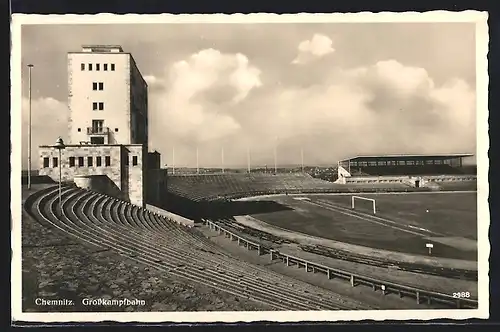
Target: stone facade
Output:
{"points": [[124, 165], [153, 178], [157, 181], [113, 171], [136, 186]]}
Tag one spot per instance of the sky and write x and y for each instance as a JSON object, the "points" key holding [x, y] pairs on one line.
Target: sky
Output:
{"points": [[331, 90]]}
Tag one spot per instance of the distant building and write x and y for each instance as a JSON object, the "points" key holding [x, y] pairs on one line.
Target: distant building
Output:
{"points": [[107, 148]]}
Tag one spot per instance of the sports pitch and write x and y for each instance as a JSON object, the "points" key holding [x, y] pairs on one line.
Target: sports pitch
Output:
{"points": [[403, 222]]}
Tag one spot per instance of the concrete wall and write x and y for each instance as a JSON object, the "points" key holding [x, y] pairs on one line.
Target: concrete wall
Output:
{"points": [[138, 105], [154, 159], [136, 182], [99, 183], [153, 186], [375, 179], [342, 174], [175, 217], [154, 178], [441, 178], [409, 180], [115, 95]]}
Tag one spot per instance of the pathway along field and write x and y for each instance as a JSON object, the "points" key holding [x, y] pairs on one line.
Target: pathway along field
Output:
{"points": [[401, 223]]}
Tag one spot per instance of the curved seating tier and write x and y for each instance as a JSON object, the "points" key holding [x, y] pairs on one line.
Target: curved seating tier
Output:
{"points": [[233, 186], [155, 241]]}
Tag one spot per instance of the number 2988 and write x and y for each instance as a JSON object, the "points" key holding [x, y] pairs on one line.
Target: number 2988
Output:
{"points": [[461, 295]]}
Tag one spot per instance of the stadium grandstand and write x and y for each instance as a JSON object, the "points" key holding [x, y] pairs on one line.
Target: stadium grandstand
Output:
{"points": [[358, 174], [234, 185], [415, 170]]}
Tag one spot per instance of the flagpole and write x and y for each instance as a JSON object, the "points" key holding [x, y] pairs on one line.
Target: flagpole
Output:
{"points": [[197, 162], [302, 158], [248, 159], [276, 156], [173, 160], [222, 159]]}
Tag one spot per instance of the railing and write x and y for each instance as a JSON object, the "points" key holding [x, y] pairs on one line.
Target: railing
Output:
{"points": [[386, 287], [250, 245], [97, 130]]}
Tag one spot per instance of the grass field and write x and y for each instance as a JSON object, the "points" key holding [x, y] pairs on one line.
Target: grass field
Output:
{"points": [[404, 222], [452, 214]]}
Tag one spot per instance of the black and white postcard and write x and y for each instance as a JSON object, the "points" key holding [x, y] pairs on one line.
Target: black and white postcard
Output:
{"points": [[239, 168]]}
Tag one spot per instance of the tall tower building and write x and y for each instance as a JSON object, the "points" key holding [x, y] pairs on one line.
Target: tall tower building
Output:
{"points": [[107, 148], [107, 97]]}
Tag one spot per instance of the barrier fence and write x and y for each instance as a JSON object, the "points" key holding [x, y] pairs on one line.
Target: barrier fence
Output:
{"points": [[386, 287], [250, 245]]}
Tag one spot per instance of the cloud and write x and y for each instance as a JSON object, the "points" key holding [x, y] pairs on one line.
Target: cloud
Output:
{"points": [[213, 99], [153, 81], [383, 108], [49, 120], [200, 93], [386, 107], [309, 50], [210, 70]]}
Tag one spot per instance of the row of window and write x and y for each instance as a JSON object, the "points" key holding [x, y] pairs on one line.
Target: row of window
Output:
{"points": [[90, 67], [401, 162], [96, 129], [97, 86], [73, 161], [98, 106]]}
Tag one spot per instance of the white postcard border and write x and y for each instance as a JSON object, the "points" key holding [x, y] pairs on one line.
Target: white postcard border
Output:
{"points": [[479, 18]]}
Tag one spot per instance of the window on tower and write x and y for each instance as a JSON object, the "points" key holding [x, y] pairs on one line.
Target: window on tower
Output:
{"points": [[94, 106], [97, 66], [101, 86], [98, 161], [107, 160], [90, 161], [134, 161], [101, 106], [80, 161], [90, 66], [112, 67], [94, 86], [82, 66], [105, 67]]}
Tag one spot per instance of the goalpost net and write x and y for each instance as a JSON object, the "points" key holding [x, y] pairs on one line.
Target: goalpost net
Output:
{"points": [[371, 201]]}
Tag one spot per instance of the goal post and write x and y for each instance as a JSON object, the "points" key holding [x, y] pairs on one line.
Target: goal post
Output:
{"points": [[354, 198]]}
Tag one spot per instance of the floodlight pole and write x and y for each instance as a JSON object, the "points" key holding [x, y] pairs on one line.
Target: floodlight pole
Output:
{"points": [[60, 146], [197, 162], [173, 160], [222, 159], [30, 66], [276, 156], [302, 158], [60, 179]]}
